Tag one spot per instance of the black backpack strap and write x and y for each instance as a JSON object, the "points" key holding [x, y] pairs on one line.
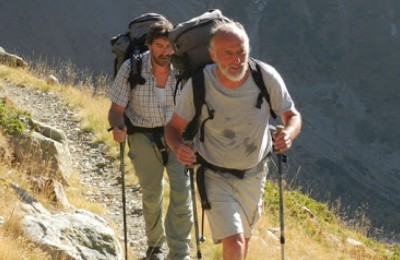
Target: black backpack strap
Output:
{"points": [[115, 67], [159, 142], [178, 82], [201, 186], [199, 94], [210, 116], [135, 75], [204, 163], [155, 135], [258, 79], [198, 99]]}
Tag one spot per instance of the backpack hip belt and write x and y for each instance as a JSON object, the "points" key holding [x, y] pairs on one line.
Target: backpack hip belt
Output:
{"points": [[201, 174], [235, 172], [154, 134], [205, 204]]}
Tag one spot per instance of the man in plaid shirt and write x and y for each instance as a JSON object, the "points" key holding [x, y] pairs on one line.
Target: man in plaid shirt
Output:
{"points": [[146, 109]]}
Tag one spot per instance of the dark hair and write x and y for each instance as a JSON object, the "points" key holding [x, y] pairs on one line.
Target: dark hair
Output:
{"points": [[158, 30]]}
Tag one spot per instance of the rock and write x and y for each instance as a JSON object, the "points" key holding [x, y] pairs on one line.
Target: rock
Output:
{"points": [[32, 208], [2, 220], [79, 235], [273, 233], [11, 59], [44, 155], [52, 80], [51, 189], [48, 131], [312, 216], [353, 242], [27, 203]]}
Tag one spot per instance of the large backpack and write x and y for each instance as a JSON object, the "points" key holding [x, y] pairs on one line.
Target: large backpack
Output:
{"points": [[190, 41], [132, 43]]}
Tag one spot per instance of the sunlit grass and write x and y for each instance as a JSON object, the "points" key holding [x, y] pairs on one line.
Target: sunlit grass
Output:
{"points": [[13, 245], [19, 248]]}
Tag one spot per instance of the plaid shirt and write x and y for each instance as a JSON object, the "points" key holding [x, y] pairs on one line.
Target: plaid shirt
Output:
{"points": [[141, 104]]}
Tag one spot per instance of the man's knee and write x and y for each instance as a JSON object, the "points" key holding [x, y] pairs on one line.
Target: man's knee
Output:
{"points": [[180, 202], [234, 244]]}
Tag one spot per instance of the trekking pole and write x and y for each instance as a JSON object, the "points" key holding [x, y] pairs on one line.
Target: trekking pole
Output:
{"points": [[122, 170], [195, 216], [279, 129], [190, 169]]}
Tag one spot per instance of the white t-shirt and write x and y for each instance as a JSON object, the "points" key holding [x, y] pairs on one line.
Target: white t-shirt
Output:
{"points": [[238, 137], [160, 93]]}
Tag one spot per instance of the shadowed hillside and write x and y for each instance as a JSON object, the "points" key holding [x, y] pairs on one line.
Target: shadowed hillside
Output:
{"points": [[339, 59]]}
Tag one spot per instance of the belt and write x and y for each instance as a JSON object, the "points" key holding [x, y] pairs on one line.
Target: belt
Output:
{"points": [[201, 182], [235, 172], [155, 134]]}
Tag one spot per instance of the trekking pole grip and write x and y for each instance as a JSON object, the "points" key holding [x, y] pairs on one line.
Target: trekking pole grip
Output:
{"points": [[278, 130], [190, 144]]}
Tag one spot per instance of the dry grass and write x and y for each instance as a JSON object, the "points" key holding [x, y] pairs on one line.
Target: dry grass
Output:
{"points": [[13, 245]]}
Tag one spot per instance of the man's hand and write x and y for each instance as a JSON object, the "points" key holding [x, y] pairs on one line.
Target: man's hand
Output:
{"points": [[185, 154], [119, 134], [173, 135], [282, 141]]}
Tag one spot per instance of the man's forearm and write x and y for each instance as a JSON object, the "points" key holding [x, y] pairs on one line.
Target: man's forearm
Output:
{"points": [[293, 126], [116, 119], [292, 121], [173, 138]]}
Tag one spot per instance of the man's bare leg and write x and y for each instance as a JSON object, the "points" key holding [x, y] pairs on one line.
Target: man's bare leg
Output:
{"points": [[234, 247]]}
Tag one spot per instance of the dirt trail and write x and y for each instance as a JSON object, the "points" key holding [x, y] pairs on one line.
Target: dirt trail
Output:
{"points": [[89, 160]]}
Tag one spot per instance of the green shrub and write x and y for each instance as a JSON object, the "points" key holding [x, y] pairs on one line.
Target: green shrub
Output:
{"points": [[11, 119]]}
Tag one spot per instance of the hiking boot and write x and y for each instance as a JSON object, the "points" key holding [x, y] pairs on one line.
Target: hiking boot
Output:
{"points": [[154, 253]]}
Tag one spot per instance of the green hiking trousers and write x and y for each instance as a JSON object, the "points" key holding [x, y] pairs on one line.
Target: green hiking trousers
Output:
{"points": [[175, 226]]}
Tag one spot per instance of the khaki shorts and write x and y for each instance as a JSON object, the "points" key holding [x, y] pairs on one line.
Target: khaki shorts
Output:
{"points": [[236, 204]]}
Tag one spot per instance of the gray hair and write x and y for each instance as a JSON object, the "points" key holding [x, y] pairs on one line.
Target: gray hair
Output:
{"points": [[234, 28]]}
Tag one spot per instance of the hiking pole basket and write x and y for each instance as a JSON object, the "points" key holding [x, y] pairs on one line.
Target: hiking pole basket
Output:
{"points": [[281, 159], [122, 170]]}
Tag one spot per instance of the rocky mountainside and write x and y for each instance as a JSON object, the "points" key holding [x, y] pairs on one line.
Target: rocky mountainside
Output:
{"points": [[339, 59]]}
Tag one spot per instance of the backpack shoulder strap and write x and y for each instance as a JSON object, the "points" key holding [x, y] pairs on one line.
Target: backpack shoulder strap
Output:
{"points": [[198, 99], [135, 75], [258, 79], [199, 90]]}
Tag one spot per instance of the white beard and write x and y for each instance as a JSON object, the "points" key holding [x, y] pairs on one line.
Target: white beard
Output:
{"points": [[235, 77]]}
